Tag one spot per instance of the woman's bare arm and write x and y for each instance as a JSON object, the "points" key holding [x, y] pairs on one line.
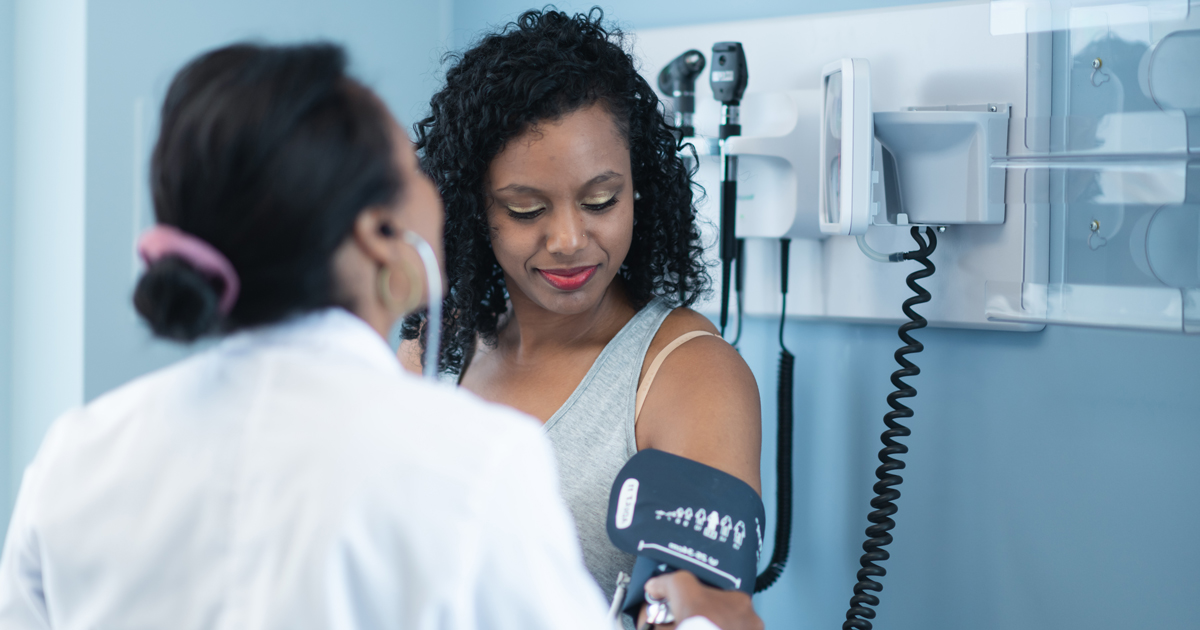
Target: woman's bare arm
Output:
{"points": [[704, 403]]}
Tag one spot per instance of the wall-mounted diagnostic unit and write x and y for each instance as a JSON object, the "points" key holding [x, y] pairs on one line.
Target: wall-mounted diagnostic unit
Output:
{"points": [[1048, 153]]}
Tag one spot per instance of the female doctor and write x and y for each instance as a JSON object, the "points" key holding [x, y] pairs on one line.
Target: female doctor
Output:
{"points": [[294, 476]]}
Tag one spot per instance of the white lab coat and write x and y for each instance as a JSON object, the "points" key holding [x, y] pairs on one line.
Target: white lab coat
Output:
{"points": [[293, 477]]}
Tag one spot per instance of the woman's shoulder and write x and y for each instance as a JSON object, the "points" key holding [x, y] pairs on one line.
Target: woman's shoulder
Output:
{"points": [[679, 322], [409, 354], [684, 319], [411, 357]]}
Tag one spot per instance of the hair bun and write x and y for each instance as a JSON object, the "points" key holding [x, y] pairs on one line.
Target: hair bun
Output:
{"points": [[176, 300]]}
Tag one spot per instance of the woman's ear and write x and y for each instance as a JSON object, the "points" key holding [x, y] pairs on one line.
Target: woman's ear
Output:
{"points": [[376, 233], [399, 281]]}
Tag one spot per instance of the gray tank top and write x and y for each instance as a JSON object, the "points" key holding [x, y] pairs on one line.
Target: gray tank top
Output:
{"points": [[593, 437]]}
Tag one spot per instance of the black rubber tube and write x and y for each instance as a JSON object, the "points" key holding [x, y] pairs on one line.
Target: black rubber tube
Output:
{"points": [[783, 446], [728, 244]]}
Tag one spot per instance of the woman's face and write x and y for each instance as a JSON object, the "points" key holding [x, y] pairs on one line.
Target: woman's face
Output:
{"points": [[561, 210]]}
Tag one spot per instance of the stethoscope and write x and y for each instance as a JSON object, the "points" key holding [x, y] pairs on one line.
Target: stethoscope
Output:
{"points": [[433, 319]]}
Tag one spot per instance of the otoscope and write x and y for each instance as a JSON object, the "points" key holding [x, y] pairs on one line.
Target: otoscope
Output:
{"points": [[678, 80], [728, 80]]}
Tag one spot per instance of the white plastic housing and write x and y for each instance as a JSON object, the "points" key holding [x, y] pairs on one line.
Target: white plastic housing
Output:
{"points": [[847, 143], [777, 165], [939, 165]]}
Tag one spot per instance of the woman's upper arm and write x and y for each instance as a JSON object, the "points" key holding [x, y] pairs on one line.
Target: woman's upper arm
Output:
{"points": [[704, 405]]}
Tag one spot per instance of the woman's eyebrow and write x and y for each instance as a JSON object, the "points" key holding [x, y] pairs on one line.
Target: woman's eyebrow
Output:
{"points": [[519, 188], [523, 189], [603, 177]]}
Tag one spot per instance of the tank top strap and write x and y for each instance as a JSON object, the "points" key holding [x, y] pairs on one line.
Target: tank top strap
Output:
{"points": [[662, 355]]}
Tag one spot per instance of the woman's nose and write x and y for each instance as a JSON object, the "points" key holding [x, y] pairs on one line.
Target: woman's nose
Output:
{"points": [[567, 234]]}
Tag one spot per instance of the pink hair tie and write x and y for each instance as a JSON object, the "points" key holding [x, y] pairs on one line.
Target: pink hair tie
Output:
{"points": [[161, 241]]}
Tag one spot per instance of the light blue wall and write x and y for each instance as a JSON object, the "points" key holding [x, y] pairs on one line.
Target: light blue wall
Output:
{"points": [[473, 16], [6, 258], [1049, 483], [134, 48]]}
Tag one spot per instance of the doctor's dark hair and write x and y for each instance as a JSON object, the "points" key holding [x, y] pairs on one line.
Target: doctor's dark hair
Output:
{"points": [[543, 66], [268, 153]]}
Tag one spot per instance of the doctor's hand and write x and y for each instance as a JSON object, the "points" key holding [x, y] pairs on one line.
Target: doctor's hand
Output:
{"points": [[687, 597]]}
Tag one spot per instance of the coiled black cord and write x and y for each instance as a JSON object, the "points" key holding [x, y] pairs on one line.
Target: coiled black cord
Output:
{"points": [[783, 448], [878, 536]]}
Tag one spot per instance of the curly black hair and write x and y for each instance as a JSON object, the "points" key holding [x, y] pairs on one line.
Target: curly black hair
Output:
{"points": [[539, 68]]}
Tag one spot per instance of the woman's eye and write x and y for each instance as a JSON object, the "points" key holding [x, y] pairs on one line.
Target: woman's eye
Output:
{"points": [[525, 212], [596, 204]]}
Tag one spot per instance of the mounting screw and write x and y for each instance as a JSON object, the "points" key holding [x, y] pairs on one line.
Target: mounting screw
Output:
{"points": [[1096, 63], [992, 108], [1095, 225]]}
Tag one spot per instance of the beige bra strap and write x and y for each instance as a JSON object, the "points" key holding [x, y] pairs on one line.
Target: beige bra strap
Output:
{"points": [[644, 388]]}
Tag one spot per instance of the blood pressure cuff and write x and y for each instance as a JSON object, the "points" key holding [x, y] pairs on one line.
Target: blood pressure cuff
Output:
{"points": [[676, 513]]}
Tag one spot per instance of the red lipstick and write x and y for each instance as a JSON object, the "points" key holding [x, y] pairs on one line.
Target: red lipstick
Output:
{"points": [[568, 279]]}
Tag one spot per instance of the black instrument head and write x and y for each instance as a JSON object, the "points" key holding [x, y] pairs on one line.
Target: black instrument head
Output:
{"points": [[729, 74], [678, 78]]}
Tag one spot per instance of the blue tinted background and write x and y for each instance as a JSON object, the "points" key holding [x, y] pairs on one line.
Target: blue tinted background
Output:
{"points": [[1048, 481]]}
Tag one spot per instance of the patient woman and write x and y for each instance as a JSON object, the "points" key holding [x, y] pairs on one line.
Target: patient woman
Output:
{"points": [[293, 475], [572, 254]]}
